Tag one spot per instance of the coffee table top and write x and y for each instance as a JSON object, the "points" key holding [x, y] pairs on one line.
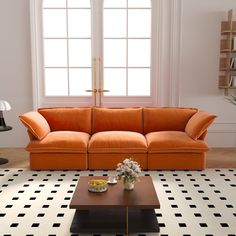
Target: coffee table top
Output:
{"points": [[143, 195]]}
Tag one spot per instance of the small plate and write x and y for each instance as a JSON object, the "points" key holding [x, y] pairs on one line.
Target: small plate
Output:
{"points": [[112, 182]]}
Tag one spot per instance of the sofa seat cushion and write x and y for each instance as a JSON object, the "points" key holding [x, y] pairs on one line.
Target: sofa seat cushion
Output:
{"points": [[173, 141], [61, 141], [117, 142]]}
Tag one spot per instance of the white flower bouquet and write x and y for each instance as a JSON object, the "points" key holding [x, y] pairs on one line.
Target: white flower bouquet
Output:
{"points": [[128, 170]]}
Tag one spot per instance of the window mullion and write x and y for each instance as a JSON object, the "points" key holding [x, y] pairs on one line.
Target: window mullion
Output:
{"points": [[67, 44], [127, 24]]}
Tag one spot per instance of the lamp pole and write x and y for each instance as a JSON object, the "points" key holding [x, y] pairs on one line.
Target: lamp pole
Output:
{"points": [[2, 129], [4, 105], [2, 121]]}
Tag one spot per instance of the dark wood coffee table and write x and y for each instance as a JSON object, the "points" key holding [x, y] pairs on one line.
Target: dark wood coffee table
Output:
{"points": [[116, 210]]}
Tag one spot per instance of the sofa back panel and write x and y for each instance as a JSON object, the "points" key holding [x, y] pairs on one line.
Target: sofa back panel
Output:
{"points": [[166, 118], [119, 119], [68, 118]]}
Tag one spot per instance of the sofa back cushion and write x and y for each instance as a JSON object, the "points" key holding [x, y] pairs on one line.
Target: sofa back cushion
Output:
{"points": [[68, 118], [199, 123], [119, 119], [36, 124], [166, 118]]}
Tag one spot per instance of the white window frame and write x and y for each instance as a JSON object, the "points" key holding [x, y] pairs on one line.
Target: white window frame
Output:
{"points": [[68, 66], [125, 39], [165, 59]]}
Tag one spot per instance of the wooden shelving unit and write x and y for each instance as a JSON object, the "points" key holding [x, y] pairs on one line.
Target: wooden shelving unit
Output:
{"points": [[227, 54]]}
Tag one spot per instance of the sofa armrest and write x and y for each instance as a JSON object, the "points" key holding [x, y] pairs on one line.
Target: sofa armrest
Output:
{"points": [[31, 136], [36, 124], [198, 124]]}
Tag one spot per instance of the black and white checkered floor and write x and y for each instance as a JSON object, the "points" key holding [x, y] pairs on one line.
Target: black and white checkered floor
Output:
{"points": [[193, 203]]}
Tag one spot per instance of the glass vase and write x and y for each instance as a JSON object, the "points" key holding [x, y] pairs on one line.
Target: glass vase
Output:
{"points": [[128, 185]]}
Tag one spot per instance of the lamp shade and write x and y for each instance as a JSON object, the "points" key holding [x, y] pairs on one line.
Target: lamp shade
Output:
{"points": [[4, 106]]}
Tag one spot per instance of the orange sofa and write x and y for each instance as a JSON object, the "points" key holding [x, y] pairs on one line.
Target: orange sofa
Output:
{"points": [[99, 138]]}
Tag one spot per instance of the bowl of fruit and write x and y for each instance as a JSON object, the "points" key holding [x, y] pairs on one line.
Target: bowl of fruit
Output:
{"points": [[97, 185]]}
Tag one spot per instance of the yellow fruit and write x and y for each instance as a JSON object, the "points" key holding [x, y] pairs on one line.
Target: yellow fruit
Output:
{"points": [[97, 182]]}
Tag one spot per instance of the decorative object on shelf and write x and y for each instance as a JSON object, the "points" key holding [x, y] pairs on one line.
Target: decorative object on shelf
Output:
{"points": [[4, 106], [128, 171], [97, 185], [232, 99]]}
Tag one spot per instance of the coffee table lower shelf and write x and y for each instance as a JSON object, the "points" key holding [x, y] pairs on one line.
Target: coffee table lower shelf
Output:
{"points": [[113, 220]]}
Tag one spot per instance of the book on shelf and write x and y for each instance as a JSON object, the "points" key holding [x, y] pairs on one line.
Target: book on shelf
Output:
{"points": [[232, 81], [234, 43], [232, 62]]}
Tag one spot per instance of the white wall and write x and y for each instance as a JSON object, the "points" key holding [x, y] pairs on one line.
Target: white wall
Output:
{"points": [[200, 47], [200, 39], [15, 68]]}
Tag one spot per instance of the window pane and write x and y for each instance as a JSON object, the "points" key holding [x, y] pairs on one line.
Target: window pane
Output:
{"points": [[139, 3], [139, 23], [80, 80], [139, 52], [54, 3], [80, 52], [115, 81], [114, 52], [79, 23], [56, 82], [114, 23], [54, 23], [115, 3], [55, 53], [79, 3], [139, 82]]}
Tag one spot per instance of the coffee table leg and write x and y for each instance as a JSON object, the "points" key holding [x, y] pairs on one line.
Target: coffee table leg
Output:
{"points": [[127, 221]]}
